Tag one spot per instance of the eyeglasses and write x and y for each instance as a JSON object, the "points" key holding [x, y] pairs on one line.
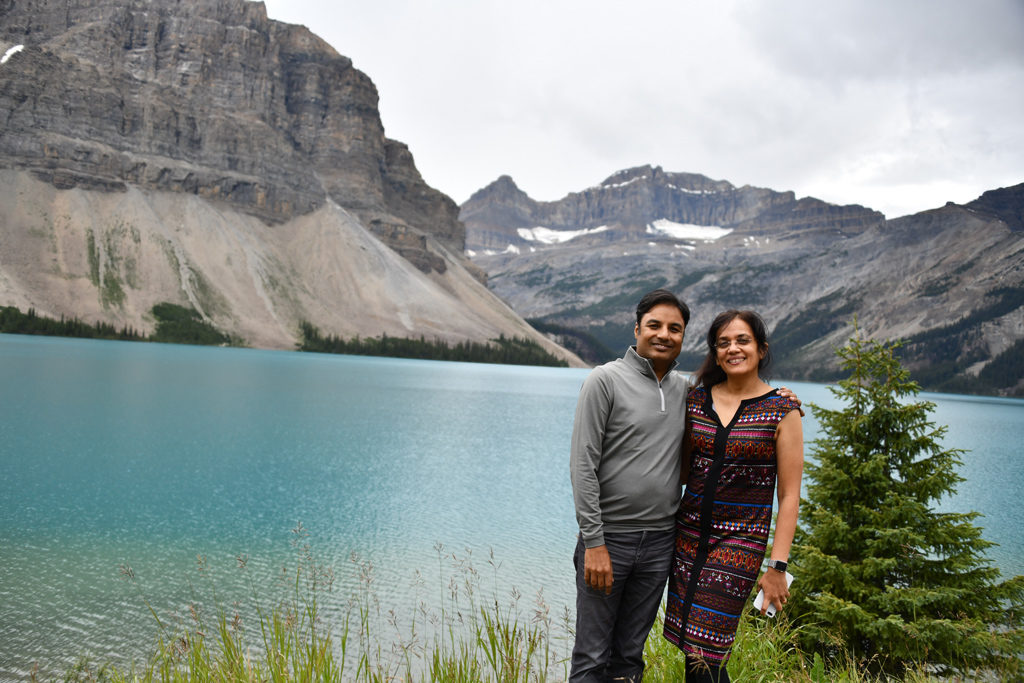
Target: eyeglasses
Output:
{"points": [[723, 344]]}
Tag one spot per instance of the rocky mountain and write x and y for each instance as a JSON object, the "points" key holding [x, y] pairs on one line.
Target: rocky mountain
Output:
{"points": [[949, 281], [626, 206], [199, 153]]}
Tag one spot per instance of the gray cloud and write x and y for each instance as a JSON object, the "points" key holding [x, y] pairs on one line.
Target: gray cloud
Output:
{"points": [[898, 40], [897, 105]]}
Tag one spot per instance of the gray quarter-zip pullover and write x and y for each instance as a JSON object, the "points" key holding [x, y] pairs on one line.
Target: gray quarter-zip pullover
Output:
{"points": [[627, 448]]}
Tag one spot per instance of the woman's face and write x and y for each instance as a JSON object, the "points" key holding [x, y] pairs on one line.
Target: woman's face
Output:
{"points": [[736, 349]]}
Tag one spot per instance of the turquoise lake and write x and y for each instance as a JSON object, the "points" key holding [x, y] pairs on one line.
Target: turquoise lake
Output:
{"points": [[415, 481]]}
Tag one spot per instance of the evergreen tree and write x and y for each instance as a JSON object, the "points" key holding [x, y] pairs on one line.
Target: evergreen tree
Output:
{"points": [[883, 576]]}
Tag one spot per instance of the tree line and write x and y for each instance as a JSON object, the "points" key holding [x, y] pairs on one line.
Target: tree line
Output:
{"points": [[175, 325], [182, 325], [504, 350], [13, 321]]}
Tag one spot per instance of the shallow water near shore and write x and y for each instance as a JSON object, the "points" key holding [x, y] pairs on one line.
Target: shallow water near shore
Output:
{"points": [[146, 455]]}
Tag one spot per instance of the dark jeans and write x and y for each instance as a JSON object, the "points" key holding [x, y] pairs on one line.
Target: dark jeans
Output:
{"points": [[611, 629]]}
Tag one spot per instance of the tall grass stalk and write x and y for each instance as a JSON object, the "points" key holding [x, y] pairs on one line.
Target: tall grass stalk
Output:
{"points": [[464, 637]]}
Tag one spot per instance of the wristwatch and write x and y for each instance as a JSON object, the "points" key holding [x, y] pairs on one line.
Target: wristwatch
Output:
{"points": [[778, 565]]}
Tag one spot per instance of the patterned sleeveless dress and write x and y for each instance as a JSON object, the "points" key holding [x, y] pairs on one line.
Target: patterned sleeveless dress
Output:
{"points": [[723, 522]]}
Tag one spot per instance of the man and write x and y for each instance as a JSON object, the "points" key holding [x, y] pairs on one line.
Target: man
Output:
{"points": [[625, 464]]}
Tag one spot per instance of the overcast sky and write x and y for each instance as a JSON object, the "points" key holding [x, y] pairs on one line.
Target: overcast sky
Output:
{"points": [[897, 105]]}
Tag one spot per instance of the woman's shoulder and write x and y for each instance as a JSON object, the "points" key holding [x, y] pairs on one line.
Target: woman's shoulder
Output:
{"points": [[778, 402]]}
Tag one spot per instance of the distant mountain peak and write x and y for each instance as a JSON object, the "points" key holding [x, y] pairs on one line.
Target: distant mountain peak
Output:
{"points": [[503, 187], [948, 281], [631, 203], [656, 176], [631, 175], [1005, 203]]}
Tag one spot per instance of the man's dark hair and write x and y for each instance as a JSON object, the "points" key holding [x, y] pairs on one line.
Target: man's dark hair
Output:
{"points": [[657, 297]]}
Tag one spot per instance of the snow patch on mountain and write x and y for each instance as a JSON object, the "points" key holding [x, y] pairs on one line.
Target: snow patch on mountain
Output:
{"points": [[11, 52], [686, 231], [549, 236]]}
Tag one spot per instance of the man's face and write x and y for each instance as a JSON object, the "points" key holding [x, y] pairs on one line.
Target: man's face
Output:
{"points": [[659, 336]]}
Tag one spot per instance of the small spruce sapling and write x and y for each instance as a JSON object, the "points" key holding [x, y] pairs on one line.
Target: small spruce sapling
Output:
{"points": [[886, 577]]}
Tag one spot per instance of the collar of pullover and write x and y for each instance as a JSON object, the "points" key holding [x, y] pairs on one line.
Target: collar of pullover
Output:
{"points": [[644, 365]]}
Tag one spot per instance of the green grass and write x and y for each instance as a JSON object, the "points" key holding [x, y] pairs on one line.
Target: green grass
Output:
{"points": [[766, 651], [475, 635]]}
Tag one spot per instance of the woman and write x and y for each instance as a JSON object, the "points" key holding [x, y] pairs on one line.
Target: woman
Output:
{"points": [[742, 437]]}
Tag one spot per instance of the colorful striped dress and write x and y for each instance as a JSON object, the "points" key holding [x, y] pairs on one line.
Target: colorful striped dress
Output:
{"points": [[721, 537]]}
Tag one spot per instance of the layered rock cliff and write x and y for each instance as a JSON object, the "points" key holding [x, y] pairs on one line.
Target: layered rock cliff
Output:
{"points": [[208, 98], [949, 281], [200, 153]]}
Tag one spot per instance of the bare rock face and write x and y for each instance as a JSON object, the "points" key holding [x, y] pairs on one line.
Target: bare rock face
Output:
{"points": [[207, 97], [112, 256], [1005, 204], [194, 152]]}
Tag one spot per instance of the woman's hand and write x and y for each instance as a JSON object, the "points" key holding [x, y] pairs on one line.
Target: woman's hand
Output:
{"points": [[776, 591]]}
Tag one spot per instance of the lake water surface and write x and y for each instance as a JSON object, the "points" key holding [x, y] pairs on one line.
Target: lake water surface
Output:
{"points": [[407, 475]]}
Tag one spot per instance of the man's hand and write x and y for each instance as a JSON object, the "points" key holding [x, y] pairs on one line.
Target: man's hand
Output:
{"points": [[788, 393], [597, 568]]}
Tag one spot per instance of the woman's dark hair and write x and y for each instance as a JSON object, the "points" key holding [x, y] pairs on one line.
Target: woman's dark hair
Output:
{"points": [[710, 374], [658, 297]]}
